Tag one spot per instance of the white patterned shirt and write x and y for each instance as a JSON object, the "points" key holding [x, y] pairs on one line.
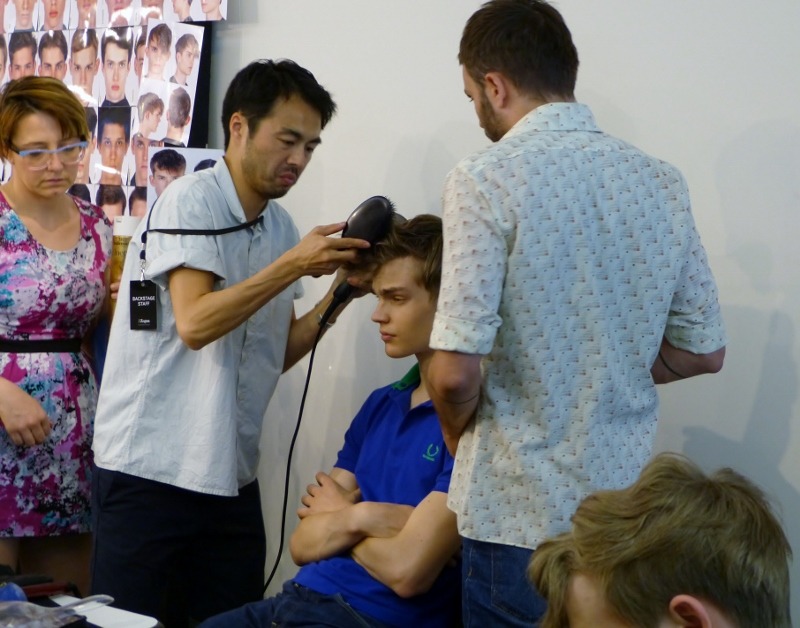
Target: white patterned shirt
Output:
{"points": [[568, 255]]}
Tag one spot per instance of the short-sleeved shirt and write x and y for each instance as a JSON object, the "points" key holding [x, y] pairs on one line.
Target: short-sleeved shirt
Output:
{"points": [[398, 455], [568, 256], [193, 419]]}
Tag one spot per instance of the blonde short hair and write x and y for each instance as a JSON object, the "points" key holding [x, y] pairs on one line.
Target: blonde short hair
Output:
{"points": [[674, 531]]}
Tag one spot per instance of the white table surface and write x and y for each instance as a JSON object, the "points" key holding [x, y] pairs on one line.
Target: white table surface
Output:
{"points": [[109, 617]]}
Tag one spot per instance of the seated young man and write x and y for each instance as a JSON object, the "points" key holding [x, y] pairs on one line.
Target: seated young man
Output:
{"points": [[677, 548], [376, 539]]}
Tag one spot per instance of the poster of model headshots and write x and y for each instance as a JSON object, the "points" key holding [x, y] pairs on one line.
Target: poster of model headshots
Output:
{"points": [[133, 64]]}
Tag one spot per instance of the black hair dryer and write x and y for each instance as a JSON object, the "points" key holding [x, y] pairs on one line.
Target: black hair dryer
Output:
{"points": [[369, 221]]}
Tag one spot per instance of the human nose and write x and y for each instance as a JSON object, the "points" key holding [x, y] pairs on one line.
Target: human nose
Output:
{"points": [[59, 163], [378, 314], [299, 157]]}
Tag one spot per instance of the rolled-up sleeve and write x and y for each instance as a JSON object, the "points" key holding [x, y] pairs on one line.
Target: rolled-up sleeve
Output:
{"points": [[473, 269], [695, 320], [166, 252]]}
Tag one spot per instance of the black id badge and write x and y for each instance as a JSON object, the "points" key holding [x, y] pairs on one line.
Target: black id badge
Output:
{"points": [[143, 305]]}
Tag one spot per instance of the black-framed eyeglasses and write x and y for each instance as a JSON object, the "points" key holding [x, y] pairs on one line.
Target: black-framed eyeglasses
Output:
{"points": [[39, 158]]}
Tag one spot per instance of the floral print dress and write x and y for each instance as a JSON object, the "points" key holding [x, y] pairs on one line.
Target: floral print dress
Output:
{"points": [[50, 295]]}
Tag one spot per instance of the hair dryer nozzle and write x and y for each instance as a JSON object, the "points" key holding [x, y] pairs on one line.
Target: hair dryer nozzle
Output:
{"points": [[371, 220]]}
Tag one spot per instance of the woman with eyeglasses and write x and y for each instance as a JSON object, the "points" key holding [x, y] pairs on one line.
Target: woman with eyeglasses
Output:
{"points": [[53, 254]]}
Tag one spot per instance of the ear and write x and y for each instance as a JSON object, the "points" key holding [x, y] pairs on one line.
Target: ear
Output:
{"points": [[238, 126], [689, 612], [496, 87]]}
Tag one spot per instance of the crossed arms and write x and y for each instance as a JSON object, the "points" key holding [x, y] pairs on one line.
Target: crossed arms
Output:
{"points": [[403, 547]]}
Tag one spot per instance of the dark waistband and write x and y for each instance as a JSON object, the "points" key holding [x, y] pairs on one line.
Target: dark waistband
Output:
{"points": [[65, 345]]}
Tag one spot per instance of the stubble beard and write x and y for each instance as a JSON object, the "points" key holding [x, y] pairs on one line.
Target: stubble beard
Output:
{"points": [[253, 173], [489, 120]]}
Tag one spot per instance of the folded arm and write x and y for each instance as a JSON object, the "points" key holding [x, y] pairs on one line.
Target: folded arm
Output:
{"points": [[333, 519], [673, 364], [410, 561]]}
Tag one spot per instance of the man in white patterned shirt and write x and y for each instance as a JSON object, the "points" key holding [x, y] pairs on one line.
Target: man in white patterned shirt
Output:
{"points": [[574, 280]]}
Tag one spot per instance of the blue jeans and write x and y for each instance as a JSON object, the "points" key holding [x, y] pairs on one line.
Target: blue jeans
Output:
{"points": [[496, 591], [296, 605]]}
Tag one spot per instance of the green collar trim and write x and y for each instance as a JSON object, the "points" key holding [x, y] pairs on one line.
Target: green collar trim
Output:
{"points": [[410, 379]]}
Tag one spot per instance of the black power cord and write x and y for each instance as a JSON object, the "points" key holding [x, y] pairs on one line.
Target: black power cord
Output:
{"points": [[322, 324], [370, 221]]}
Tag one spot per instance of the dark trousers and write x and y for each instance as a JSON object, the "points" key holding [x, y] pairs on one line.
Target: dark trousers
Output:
{"points": [[294, 607], [174, 554]]}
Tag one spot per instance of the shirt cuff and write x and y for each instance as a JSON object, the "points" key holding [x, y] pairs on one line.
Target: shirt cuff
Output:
{"points": [[707, 339], [454, 334], [157, 270]]}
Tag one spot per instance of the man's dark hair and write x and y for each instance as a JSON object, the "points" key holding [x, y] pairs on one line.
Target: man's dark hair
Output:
{"points": [[142, 39], [179, 108], [114, 115], [257, 87], [167, 159], [3, 49], [19, 40], [119, 36], [527, 41], [91, 120], [139, 193], [205, 164], [81, 190], [110, 195], [53, 39]]}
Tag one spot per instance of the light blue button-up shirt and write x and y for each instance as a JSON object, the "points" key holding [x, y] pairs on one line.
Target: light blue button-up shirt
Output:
{"points": [[193, 419]]}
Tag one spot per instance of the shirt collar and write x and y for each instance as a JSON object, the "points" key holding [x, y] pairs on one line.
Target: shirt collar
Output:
{"points": [[225, 183], [410, 379], [556, 116]]}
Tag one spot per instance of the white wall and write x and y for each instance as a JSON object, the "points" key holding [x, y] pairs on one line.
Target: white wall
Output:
{"points": [[711, 86]]}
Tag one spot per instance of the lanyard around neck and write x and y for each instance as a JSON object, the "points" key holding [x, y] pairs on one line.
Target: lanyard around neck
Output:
{"points": [[199, 232]]}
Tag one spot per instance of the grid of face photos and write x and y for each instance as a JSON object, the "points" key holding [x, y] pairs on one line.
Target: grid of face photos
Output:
{"points": [[133, 64]]}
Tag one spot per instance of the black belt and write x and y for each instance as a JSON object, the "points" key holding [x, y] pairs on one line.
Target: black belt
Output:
{"points": [[65, 345]]}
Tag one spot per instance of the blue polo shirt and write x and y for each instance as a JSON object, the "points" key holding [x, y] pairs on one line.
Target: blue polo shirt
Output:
{"points": [[397, 455]]}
